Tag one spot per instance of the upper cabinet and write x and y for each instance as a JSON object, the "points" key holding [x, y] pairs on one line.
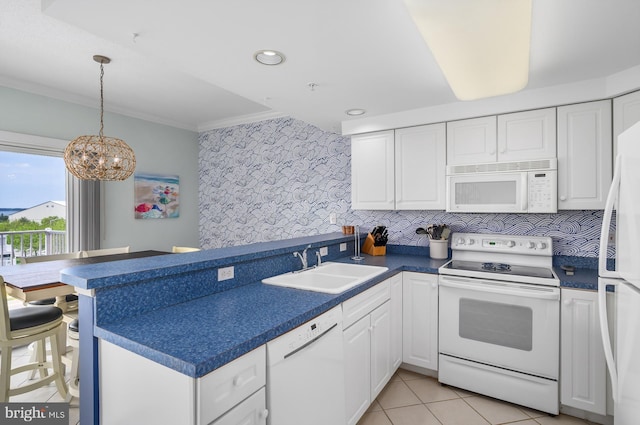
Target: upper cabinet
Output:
{"points": [[509, 137], [626, 112], [584, 155], [402, 170], [420, 166], [471, 141], [372, 171], [527, 135]]}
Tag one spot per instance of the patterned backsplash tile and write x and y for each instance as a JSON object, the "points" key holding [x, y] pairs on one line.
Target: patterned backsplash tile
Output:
{"points": [[281, 178]]}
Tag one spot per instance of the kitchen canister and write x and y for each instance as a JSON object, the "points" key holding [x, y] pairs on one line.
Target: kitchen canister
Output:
{"points": [[438, 248]]}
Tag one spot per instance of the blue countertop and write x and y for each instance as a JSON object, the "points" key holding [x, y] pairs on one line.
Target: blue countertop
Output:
{"points": [[197, 336]]}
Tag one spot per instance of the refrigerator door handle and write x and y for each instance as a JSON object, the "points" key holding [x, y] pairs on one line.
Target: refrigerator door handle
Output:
{"points": [[606, 340], [606, 223]]}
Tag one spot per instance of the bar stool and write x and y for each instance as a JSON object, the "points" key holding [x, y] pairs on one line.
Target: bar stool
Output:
{"points": [[71, 299], [74, 340], [23, 326]]}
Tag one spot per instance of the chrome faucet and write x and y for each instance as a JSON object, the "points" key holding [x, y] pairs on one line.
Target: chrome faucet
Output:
{"points": [[319, 257], [303, 257]]}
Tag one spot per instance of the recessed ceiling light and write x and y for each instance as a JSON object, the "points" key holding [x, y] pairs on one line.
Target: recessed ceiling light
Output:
{"points": [[269, 57], [355, 112]]}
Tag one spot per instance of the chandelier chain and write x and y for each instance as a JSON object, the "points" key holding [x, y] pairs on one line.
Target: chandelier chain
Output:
{"points": [[101, 100]]}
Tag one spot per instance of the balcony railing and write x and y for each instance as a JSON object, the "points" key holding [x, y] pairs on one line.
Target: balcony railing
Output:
{"points": [[30, 243]]}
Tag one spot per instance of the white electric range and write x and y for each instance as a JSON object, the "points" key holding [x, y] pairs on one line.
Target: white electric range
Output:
{"points": [[499, 319]]}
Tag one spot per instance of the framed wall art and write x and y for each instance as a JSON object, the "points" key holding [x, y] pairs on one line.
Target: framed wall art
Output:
{"points": [[156, 196]]}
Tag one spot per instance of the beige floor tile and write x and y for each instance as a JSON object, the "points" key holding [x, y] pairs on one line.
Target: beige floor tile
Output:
{"points": [[407, 375], [74, 415], [495, 411], [375, 407], [429, 390], [395, 377], [412, 415], [462, 393], [397, 394], [456, 412], [527, 422], [533, 413], [560, 420], [374, 418]]}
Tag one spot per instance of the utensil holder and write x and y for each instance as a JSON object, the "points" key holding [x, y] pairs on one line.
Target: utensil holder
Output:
{"points": [[369, 248], [438, 248]]}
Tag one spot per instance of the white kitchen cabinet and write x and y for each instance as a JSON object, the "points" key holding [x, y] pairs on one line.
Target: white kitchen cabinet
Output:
{"points": [[584, 155], [471, 141], [162, 395], [396, 320], [582, 364], [367, 360], [252, 411], [402, 170], [626, 112], [357, 371], [367, 343], [420, 320], [527, 135], [372, 171], [420, 167], [510, 137], [381, 365]]}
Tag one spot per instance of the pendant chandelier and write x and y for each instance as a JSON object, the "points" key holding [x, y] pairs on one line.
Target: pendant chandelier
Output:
{"points": [[99, 157]]}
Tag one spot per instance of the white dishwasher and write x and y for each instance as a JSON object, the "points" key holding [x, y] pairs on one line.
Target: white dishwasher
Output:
{"points": [[305, 373]]}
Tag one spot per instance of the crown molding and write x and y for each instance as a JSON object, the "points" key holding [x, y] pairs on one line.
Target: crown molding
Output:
{"points": [[243, 119]]}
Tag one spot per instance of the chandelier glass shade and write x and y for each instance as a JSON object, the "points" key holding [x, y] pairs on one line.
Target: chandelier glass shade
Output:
{"points": [[100, 157]]}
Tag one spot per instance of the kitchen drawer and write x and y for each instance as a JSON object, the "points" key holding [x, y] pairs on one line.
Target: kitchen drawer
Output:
{"points": [[252, 411], [362, 304], [223, 388]]}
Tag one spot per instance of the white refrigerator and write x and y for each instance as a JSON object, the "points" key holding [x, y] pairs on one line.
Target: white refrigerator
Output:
{"points": [[624, 198]]}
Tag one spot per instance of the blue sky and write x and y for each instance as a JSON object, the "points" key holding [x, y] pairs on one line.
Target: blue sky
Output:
{"points": [[28, 180]]}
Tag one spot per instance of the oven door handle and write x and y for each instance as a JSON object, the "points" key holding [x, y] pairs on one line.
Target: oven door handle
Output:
{"points": [[541, 293]]}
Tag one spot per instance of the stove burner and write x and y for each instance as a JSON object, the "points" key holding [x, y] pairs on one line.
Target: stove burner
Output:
{"points": [[496, 267]]}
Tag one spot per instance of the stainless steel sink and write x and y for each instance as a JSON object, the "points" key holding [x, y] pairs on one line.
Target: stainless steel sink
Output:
{"points": [[331, 278]]}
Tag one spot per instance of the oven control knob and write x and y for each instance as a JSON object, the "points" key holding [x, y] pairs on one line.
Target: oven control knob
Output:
{"points": [[470, 241], [511, 244], [541, 245], [531, 245], [460, 241]]}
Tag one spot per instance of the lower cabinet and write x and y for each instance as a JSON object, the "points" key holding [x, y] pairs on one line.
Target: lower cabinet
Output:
{"points": [[583, 373], [420, 320], [396, 320], [368, 344], [134, 389], [367, 360], [252, 411]]}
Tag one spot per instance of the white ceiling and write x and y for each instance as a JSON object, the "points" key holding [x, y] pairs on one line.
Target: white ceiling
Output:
{"points": [[191, 66]]}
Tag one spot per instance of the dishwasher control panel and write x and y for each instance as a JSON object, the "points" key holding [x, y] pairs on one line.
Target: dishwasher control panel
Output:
{"points": [[305, 334]]}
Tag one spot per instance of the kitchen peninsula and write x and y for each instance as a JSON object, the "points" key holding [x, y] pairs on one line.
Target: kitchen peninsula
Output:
{"points": [[164, 308]]}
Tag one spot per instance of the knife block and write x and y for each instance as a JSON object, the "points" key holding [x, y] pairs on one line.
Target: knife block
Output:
{"points": [[369, 248]]}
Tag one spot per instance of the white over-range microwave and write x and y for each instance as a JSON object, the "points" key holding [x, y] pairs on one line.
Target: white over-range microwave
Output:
{"points": [[503, 187]]}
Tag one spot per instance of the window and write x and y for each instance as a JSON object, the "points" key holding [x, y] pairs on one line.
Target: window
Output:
{"points": [[82, 198]]}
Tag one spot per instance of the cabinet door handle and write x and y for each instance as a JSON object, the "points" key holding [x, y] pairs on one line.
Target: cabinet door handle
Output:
{"points": [[238, 381], [263, 414], [567, 302], [563, 198]]}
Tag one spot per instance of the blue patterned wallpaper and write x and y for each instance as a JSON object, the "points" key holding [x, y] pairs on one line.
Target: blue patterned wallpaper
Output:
{"points": [[281, 178]]}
